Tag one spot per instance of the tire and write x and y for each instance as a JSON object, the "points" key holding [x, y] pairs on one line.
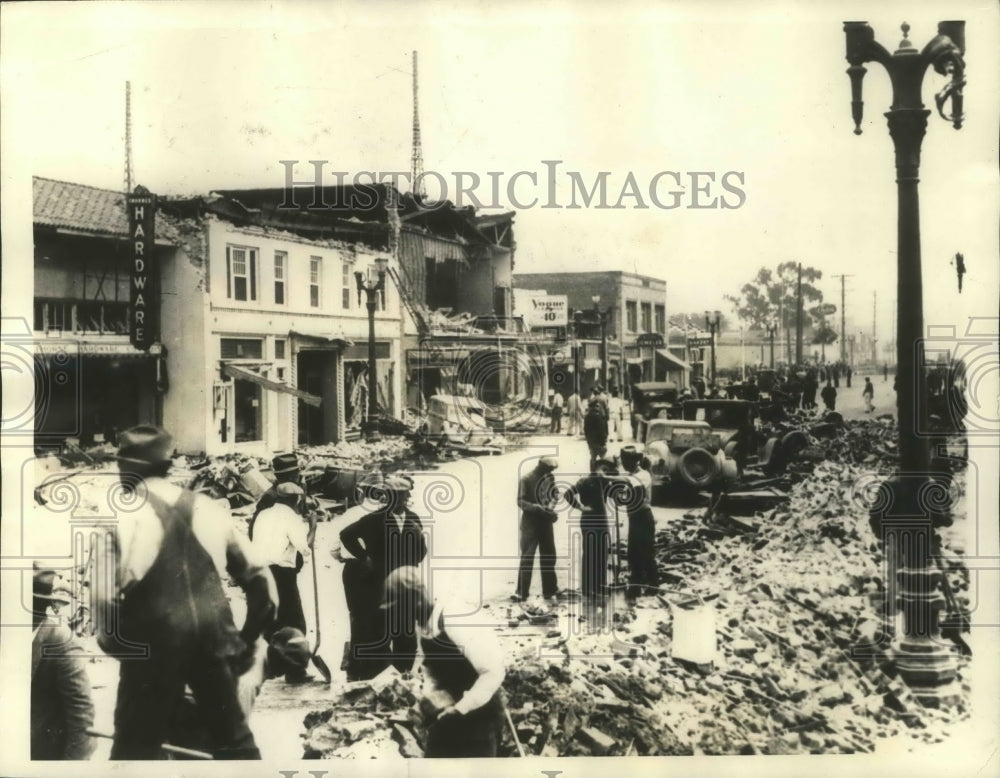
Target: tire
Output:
{"points": [[792, 444], [697, 468]]}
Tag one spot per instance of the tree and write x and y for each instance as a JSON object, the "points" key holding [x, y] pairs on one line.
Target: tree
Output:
{"points": [[824, 334], [771, 290]]}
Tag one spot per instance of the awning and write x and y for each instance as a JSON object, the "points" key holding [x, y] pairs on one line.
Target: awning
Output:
{"points": [[327, 339], [248, 375], [674, 360], [89, 348], [435, 356]]}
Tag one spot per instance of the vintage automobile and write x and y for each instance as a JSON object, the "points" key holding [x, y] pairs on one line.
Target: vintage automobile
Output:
{"points": [[735, 421], [459, 420], [685, 454], [654, 399]]}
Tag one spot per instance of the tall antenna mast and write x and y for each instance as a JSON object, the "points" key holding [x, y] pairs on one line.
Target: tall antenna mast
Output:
{"points": [[128, 137], [417, 160]]}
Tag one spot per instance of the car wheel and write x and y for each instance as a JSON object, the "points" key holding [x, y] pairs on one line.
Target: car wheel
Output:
{"points": [[697, 467]]}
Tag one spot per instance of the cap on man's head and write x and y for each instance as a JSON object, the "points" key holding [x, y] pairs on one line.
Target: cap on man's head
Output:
{"points": [[289, 490], [404, 585], [285, 463], [145, 445], [550, 462], [630, 453], [398, 483]]}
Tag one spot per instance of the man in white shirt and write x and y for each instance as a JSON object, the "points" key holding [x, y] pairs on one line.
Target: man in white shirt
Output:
{"points": [[280, 534], [462, 667]]}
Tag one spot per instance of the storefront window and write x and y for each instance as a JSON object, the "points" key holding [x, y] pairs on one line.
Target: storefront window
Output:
{"points": [[248, 406]]}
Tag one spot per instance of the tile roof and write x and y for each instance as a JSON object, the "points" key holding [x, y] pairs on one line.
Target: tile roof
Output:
{"points": [[78, 207]]}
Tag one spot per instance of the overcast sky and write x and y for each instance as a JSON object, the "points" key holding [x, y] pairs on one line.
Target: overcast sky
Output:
{"points": [[221, 92]]}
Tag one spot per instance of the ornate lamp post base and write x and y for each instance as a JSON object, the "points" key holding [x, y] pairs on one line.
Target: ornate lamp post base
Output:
{"points": [[909, 509]]}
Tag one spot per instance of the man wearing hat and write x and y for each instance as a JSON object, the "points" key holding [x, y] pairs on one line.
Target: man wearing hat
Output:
{"points": [[380, 542], [166, 614], [536, 497], [462, 667], [61, 708], [641, 524], [280, 536], [286, 471]]}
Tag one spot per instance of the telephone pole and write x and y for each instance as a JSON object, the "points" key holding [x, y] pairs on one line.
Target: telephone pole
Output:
{"points": [[417, 154], [843, 328], [798, 317], [875, 330]]}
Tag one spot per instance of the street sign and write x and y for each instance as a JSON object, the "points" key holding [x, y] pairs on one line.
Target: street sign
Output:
{"points": [[700, 341], [654, 339]]}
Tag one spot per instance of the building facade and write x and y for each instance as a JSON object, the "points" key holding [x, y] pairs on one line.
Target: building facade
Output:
{"points": [[636, 326]]}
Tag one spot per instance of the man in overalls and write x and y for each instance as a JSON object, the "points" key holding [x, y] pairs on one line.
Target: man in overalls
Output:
{"points": [[462, 668], [166, 616]]}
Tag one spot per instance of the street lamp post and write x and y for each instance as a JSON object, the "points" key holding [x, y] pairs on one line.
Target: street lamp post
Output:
{"points": [[743, 358], [913, 502], [713, 327], [602, 316], [772, 329], [374, 290]]}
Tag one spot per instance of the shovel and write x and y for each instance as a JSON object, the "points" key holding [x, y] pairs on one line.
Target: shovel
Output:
{"points": [[317, 660]]}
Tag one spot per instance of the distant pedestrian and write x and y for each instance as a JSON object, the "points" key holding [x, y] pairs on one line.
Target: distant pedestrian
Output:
{"points": [[574, 415], [829, 395], [616, 418], [557, 412], [462, 667], [595, 430], [868, 394], [885, 372], [536, 497], [61, 706], [847, 374]]}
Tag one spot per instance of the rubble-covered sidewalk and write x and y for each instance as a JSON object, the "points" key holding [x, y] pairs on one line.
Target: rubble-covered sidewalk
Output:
{"points": [[788, 595]]}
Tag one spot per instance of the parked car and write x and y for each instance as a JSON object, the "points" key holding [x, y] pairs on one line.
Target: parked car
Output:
{"points": [[654, 399], [460, 420], [743, 440], [686, 454]]}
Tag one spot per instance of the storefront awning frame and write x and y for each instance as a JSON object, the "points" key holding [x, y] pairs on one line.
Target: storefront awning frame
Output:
{"points": [[240, 372]]}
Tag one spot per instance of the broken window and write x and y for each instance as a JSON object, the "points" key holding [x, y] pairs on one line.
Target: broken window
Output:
{"points": [[249, 411]]}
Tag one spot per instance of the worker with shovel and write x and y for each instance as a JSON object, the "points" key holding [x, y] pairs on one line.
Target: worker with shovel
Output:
{"points": [[162, 610], [462, 669]]}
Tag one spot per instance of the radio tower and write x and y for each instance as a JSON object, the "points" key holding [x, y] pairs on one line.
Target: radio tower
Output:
{"points": [[417, 160], [128, 137]]}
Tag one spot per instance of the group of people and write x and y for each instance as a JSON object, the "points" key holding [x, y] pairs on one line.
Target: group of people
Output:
{"points": [[576, 409], [188, 674], [597, 496]]}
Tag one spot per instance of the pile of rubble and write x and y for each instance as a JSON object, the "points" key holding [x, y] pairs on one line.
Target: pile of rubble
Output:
{"points": [[789, 595], [374, 719]]}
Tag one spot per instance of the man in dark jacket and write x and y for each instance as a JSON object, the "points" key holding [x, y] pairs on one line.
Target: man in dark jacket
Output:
{"points": [[163, 611], [61, 707], [379, 542], [595, 430], [829, 395]]}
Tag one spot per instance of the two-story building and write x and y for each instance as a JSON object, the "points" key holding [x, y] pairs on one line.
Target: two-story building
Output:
{"points": [[636, 324], [263, 343]]}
